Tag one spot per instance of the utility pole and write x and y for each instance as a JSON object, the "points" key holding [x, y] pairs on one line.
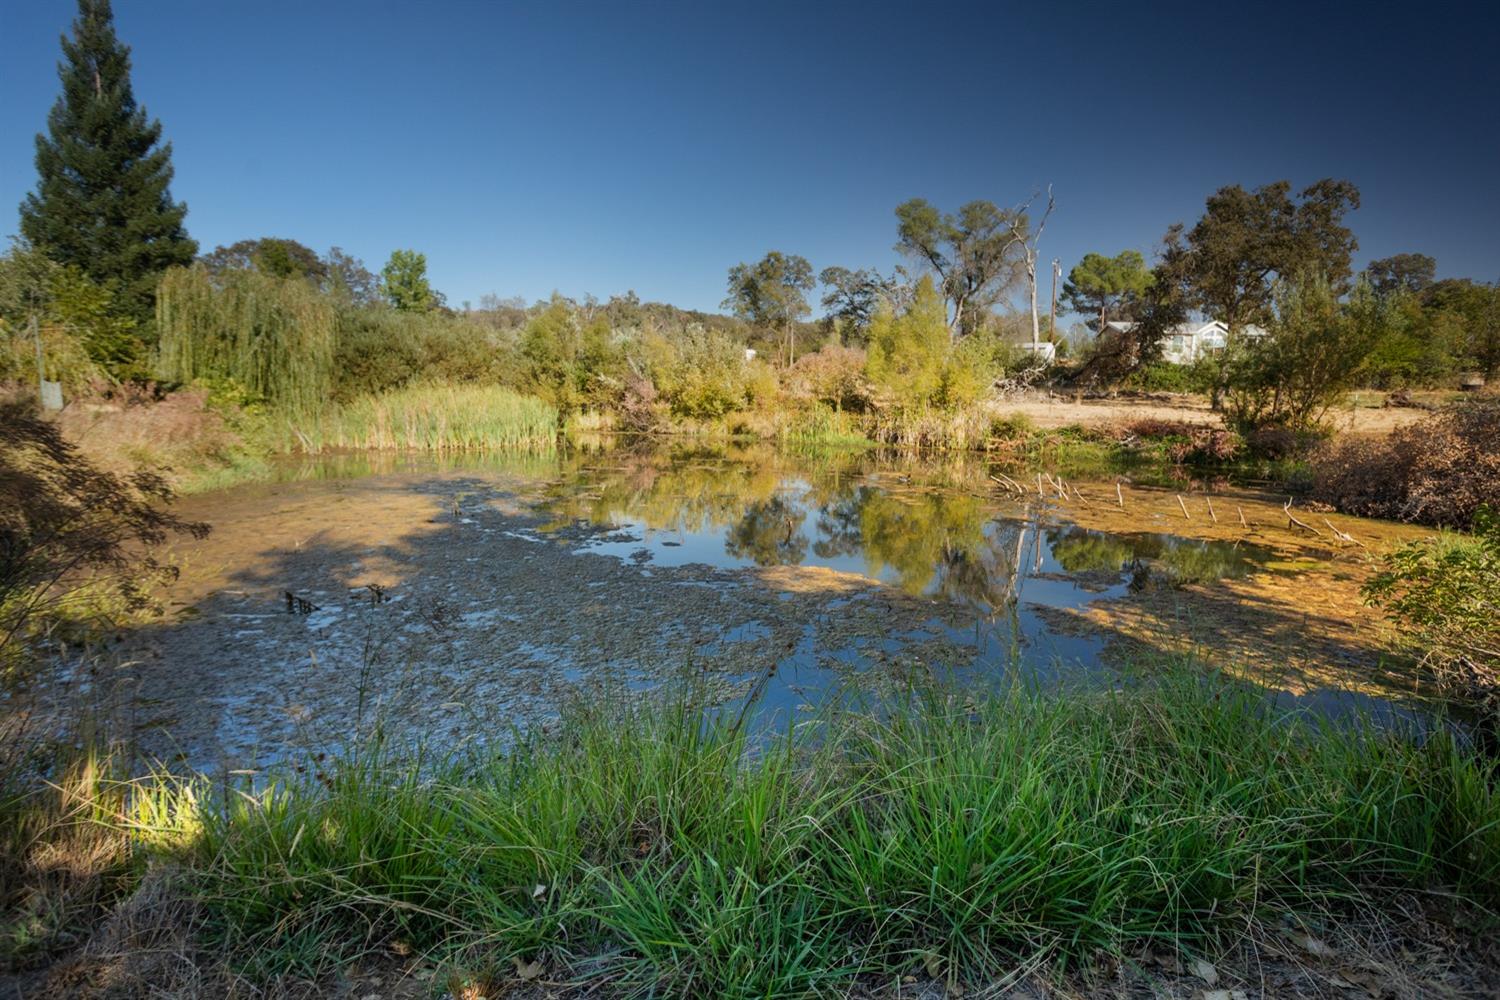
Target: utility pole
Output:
{"points": [[1052, 317]]}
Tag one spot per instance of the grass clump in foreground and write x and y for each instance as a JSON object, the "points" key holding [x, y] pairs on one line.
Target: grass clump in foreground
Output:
{"points": [[660, 850], [432, 418]]}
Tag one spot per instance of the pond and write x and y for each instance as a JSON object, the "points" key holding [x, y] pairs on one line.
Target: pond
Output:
{"points": [[466, 599]]}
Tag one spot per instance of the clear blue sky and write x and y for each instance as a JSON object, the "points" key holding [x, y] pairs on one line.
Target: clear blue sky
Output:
{"points": [[650, 146]]}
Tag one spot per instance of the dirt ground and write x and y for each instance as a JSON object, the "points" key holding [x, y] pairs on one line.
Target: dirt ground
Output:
{"points": [[1364, 414]]}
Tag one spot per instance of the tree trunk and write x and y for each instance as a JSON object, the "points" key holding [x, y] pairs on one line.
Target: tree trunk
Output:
{"points": [[1036, 320]]}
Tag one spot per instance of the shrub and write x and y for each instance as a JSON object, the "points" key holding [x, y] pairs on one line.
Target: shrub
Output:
{"points": [[704, 375], [380, 350], [1186, 443], [1439, 471], [1315, 352], [1445, 597], [833, 375], [908, 351]]}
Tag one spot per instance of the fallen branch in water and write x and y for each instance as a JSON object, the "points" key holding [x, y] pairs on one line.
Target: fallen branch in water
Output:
{"points": [[1287, 508], [1184, 507], [1343, 536]]}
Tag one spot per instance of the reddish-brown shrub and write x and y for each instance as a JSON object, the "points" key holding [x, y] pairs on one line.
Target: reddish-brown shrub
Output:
{"points": [[1439, 471], [1186, 443]]}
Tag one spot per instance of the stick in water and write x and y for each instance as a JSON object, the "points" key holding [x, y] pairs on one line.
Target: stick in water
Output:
{"points": [[1242, 516], [1211, 509], [1293, 520], [1184, 507], [1119, 496]]}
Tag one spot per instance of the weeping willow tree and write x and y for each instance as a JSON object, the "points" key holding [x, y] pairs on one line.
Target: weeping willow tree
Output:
{"points": [[274, 336]]}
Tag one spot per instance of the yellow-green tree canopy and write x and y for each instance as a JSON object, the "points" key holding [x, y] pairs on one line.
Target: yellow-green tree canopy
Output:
{"points": [[907, 351]]}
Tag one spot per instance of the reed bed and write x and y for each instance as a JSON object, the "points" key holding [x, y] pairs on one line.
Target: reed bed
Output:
{"points": [[661, 850], [434, 418]]}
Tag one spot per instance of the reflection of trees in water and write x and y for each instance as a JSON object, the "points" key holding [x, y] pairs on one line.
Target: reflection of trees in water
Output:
{"points": [[988, 573], [1079, 551], [769, 534], [1180, 560], [935, 541], [840, 532]]}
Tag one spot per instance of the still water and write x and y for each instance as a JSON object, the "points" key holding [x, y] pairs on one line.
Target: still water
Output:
{"points": [[462, 598]]}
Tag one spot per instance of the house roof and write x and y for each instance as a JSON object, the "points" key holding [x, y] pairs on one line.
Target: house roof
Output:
{"points": [[1190, 329]]}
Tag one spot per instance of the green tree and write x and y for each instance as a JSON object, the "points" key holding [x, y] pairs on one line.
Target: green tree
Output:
{"points": [[1098, 284], [277, 257], [102, 201], [1315, 352], [976, 254], [907, 352], [1232, 258], [854, 296], [349, 279], [773, 294], [1466, 315], [1405, 272], [404, 282]]}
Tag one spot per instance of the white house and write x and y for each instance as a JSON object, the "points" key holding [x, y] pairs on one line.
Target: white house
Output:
{"points": [[1187, 342]]}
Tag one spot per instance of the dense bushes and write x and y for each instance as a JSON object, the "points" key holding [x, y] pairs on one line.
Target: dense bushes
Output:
{"points": [[380, 350], [1445, 596], [1439, 471], [1315, 353]]}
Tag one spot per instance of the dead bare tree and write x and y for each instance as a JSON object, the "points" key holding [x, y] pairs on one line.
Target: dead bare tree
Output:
{"points": [[1028, 239]]}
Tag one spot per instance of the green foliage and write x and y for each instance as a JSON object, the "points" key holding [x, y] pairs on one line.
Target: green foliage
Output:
{"points": [[703, 374], [772, 293], [428, 417], [275, 336], [1411, 273], [908, 352], [854, 296], [1247, 240], [1444, 597], [572, 363], [85, 335], [1098, 284], [102, 202], [1466, 315], [1164, 376], [381, 349], [403, 281], [1314, 354], [279, 258], [977, 253], [970, 834]]}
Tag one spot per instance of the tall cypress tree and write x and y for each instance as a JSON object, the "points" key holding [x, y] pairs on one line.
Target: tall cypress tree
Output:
{"points": [[102, 201]]}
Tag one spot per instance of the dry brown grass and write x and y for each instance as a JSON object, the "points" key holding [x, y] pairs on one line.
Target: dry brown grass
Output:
{"points": [[125, 431], [1439, 471]]}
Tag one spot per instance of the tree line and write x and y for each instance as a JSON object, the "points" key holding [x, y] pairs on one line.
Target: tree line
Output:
{"points": [[106, 261]]}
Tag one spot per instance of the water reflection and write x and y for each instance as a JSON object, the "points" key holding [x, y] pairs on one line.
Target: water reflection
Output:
{"points": [[939, 536]]}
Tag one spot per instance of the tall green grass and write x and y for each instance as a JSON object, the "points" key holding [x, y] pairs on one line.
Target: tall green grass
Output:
{"points": [[660, 848], [430, 418]]}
